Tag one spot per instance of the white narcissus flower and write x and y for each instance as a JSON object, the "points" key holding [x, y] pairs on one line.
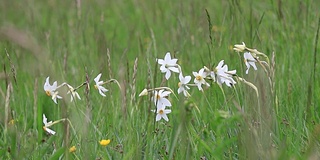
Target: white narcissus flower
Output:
{"points": [[98, 85], [73, 93], [223, 75], [210, 73], [159, 98], [47, 125], [51, 90], [168, 65], [162, 113], [199, 78], [250, 61], [183, 87]]}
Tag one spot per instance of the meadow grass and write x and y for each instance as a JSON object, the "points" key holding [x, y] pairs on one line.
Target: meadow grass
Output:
{"points": [[73, 41]]}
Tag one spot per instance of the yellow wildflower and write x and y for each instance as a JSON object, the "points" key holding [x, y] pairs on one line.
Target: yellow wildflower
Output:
{"points": [[104, 142], [72, 149]]}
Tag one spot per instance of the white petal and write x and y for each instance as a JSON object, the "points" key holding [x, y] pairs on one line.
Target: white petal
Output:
{"points": [[199, 86], [172, 61], [220, 64], [54, 98], [97, 78], [167, 57], [46, 84], [163, 68], [174, 69], [44, 119], [165, 117], [77, 95], [164, 94], [186, 79], [165, 102], [248, 56], [180, 89], [185, 93], [168, 74], [54, 85], [102, 89], [161, 61], [253, 65], [49, 130], [158, 117], [101, 93]]}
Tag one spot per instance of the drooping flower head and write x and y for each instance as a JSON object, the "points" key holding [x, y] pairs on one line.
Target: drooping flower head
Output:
{"points": [[99, 86], [183, 87], [250, 61], [73, 93], [168, 65], [160, 98], [47, 125], [51, 90], [200, 78], [223, 75]]}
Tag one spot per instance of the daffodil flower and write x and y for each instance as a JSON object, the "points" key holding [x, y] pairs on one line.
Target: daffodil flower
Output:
{"points": [[98, 85], [223, 75], [199, 78], [250, 61], [51, 90], [168, 65], [162, 113], [159, 98], [183, 87], [47, 125], [73, 93]]}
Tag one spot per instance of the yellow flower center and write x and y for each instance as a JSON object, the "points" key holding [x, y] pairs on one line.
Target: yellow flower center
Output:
{"points": [[104, 142], [199, 78], [48, 93], [179, 84], [95, 86], [158, 96], [161, 111], [72, 149]]}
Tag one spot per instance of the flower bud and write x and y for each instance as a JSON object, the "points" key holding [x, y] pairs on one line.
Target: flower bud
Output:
{"points": [[143, 93]]}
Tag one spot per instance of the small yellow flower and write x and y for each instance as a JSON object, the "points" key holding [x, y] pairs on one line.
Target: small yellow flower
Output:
{"points": [[11, 122], [72, 149], [104, 142]]}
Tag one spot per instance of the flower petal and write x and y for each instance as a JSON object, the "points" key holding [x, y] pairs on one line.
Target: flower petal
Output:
{"points": [[168, 74], [174, 69], [97, 78]]}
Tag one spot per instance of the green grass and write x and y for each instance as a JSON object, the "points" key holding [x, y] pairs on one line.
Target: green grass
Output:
{"points": [[66, 42]]}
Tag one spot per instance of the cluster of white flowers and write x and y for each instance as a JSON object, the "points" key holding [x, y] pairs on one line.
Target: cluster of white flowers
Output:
{"points": [[52, 91], [161, 102], [219, 74]]}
